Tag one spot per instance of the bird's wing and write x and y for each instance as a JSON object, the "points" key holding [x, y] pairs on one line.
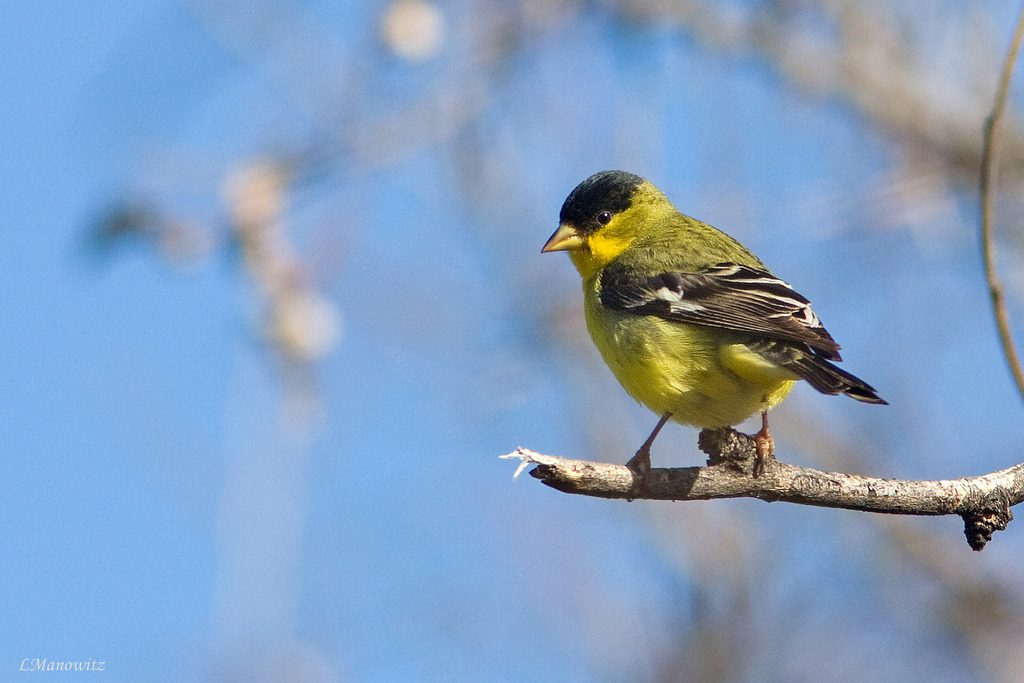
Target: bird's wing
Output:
{"points": [[727, 295]]}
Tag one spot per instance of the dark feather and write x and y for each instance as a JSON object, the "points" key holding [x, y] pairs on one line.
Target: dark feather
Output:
{"points": [[728, 296], [819, 373]]}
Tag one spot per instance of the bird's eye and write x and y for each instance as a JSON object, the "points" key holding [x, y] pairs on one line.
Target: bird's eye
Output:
{"points": [[604, 217]]}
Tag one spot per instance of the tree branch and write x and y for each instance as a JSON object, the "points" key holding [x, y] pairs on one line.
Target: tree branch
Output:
{"points": [[988, 167], [983, 502]]}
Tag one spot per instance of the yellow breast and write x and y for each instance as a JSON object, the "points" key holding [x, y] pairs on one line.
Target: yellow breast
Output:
{"points": [[704, 376]]}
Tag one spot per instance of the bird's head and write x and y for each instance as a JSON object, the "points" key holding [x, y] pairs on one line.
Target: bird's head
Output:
{"points": [[602, 217]]}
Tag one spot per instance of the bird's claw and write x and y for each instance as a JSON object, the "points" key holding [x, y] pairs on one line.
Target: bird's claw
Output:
{"points": [[640, 465], [764, 450]]}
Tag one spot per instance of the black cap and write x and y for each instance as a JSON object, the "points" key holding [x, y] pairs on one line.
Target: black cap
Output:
{"points": [[610, 191]]}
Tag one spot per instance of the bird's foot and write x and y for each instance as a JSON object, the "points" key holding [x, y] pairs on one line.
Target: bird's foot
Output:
{"points": [[640, 464], [764, 446]]}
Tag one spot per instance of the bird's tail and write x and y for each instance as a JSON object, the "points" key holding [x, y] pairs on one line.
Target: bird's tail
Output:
{"points": [[819, 373]]}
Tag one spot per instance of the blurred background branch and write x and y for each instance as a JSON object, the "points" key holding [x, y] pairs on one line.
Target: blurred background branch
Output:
{"points": [[988, 163]]}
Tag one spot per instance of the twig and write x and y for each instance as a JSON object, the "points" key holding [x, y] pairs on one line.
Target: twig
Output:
{"points": [[983, 501], [988, 169]]}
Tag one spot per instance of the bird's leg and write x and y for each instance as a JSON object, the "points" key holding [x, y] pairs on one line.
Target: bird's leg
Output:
{"points": [[640, 463], [765, 445]]}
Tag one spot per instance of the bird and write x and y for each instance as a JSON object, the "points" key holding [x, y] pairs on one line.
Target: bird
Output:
{"points": [[691, 323]]}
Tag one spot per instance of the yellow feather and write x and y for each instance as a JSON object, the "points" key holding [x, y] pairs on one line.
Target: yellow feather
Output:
{"points": [[700, 374], [601, 248]]}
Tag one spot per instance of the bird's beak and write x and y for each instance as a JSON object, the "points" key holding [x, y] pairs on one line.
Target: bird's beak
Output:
{"points": [[566, 238]]}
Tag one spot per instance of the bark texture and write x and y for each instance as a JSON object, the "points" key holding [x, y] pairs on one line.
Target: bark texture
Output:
{"points": [[983, 501]]}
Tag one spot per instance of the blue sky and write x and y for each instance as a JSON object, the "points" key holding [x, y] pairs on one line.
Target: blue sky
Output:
{"points": [[161, 514]]}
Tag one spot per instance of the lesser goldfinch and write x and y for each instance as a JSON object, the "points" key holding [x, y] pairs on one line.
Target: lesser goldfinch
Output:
{"points": [[691, 323]]}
